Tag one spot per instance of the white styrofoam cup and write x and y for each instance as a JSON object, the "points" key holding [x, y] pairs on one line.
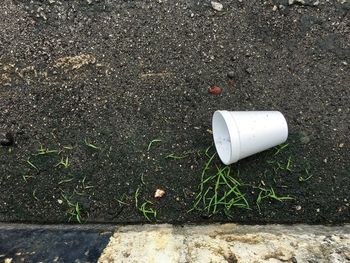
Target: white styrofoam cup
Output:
{"points": [[238, 134]]}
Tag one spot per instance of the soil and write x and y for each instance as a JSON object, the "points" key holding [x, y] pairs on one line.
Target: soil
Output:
{"points": [[97, 81]]}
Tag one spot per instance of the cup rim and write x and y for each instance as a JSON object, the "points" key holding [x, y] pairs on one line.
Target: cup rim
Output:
{"points": [[233, 137]]}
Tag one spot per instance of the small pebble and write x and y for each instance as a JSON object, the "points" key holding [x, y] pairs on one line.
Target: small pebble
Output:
{"points": [[231, 74], [6, 139], [249, 70], [291, 2], [209, 131], [341, 145], [159, 193], [59, 201], [298, 207], [215, 90], [274, 8], [305, 139], [217, 6]]}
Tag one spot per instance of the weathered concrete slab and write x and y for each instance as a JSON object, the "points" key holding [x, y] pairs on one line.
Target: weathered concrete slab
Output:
{"points": [[228, 243]]}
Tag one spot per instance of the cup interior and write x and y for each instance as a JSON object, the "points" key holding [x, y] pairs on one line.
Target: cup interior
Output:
{"points": [[222, 137]]}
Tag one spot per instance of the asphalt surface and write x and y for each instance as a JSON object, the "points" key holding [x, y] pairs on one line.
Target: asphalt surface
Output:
{"points": [[85, 86], [30, 243]]}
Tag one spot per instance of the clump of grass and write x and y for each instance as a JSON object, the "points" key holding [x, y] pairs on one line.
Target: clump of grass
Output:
{"points": [[32, 164], [269, 193], [136, 197], [64, 162], [281, 166], [219, 190], [77, 212], [69, 147], [280, 148], [93, 146], [276, 165], [77, 192], [34, 195], [26, 177], [121, 201], [142, 179], [152, 142], [146, 207], [176, 157], [86, 185], [66, 180], [74, 209], [44, 151], [147, 210], [289, 164], [306, 177]]}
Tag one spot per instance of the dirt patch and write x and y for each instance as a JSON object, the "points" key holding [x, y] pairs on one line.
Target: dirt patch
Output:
{"points": [[87, 85], [75, 62]]}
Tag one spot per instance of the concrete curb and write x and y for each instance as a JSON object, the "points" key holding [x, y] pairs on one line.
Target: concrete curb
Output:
{"points": [[169, 243], [228, 243]]}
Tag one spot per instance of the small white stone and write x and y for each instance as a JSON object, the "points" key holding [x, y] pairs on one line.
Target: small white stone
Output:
{"points": [[159, 193], [290, 2], [341, 145], [274, 8], [60, 201], [217, 6]]}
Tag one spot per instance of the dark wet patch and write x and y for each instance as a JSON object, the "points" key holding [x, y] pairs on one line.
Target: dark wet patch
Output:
{"points": [[53, 244]]}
